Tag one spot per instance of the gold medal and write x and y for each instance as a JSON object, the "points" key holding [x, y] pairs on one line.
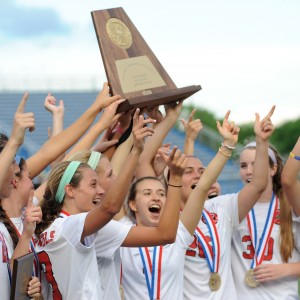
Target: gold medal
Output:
{"points": [[214, 281], [121, 289], [250, 280]]}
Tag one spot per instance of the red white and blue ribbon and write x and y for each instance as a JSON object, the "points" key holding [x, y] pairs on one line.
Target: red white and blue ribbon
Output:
{"points": [[63, 214], [152, 270], [260, 244], [212, 254]]}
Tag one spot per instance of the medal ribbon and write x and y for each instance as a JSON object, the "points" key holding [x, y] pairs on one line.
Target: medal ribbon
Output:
{"points": [[260, 246], [212, 255], [152, 270], [5, 254]]}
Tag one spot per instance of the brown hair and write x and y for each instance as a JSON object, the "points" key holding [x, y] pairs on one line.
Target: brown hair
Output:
{"points": [[8, 224], [50, 207], [132, 195], [287, 242]]}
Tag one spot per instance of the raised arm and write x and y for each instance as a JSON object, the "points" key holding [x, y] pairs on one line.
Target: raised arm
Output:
{"points": [[145, 167], [57, 112], [192, 128], [192, 211], [33, 214], [166, 230], [113, 200], [289, 178], [60, 143], [107, 118], [251, 192], [22, 121]]}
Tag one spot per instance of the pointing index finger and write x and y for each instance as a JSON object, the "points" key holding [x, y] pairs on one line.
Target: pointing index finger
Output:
{"points": [[269, 115], [226, 117], [22, 103]]}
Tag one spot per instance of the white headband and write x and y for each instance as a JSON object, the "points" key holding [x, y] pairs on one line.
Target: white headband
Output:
{"points": [[270, 152]]}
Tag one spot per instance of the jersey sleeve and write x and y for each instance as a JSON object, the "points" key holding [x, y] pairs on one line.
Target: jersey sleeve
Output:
{"points": [[110, 238], [183, 236], [72, 229]]}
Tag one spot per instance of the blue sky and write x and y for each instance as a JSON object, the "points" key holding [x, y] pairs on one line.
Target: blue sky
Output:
{"points": [[244, 54]]}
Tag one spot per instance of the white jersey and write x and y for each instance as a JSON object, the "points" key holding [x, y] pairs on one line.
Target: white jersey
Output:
{"points": [[4, 259], [18, 222], [171, 283], [71, 265], [107, 244], [242, 256], [224, 212]]}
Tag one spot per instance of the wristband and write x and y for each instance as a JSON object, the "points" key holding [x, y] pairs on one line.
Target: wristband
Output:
{"points": [[228, 147], [223, 153], [176, 186]]}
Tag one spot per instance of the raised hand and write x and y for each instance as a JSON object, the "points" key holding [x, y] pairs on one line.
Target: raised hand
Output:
{"points": [[176, 161], [104, 99], [140, 130], [50, 105], [109, 116], [105, 142], [174, 111], [228, 130], [22, 121], [264, 128], [33, 215], [159, 163], [192, 127]]}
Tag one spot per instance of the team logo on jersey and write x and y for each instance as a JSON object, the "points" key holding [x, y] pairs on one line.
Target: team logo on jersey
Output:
{"points": [[277, 217], [214, 217]]}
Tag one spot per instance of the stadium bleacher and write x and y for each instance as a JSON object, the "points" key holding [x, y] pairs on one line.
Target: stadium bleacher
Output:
{"points": [[76, 103]]}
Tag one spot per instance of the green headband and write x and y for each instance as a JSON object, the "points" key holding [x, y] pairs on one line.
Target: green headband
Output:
{"points": [[94, 159], [66, 179]]}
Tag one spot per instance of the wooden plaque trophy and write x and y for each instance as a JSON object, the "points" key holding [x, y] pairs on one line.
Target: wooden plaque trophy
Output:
{"points": [[131, 68], [22, 274]]}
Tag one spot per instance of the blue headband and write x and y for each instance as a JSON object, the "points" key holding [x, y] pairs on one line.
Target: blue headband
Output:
{"points": [[270, 152], [94, 159], [66, 179]]}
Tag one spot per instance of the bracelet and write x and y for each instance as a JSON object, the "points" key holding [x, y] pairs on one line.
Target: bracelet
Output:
{"points": [[294, 156], [176, 186], [223, 153], [227, 146]]}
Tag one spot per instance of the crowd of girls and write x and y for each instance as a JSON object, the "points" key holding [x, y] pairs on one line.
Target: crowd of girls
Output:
{"points": [[128, 217]]}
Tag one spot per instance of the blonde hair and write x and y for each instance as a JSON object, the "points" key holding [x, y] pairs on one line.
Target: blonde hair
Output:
{"points": [[84, 156]]}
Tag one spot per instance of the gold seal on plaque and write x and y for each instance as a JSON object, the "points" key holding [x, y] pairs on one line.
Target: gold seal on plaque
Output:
{"points": [[250, 280], [214, 281], [119, 33]]}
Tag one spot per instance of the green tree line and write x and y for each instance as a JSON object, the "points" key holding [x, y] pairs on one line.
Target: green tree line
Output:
{"points": [[284, 137]]}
